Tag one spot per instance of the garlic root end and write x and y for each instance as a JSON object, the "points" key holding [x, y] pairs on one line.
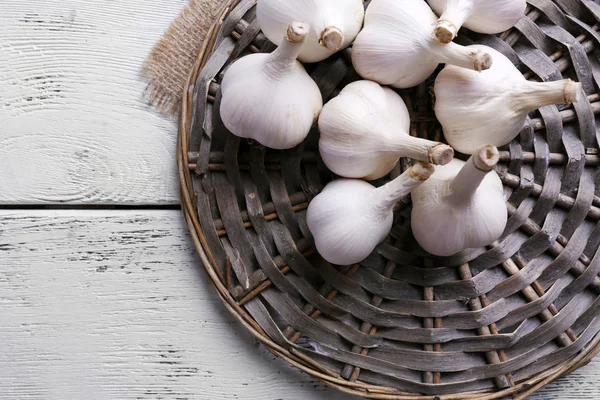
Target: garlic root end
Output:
{"points": [[572, 91], [332, 38], [421, 171], [297, 32], [441, 154], [486, 158], [482, 61], [445, 31]]}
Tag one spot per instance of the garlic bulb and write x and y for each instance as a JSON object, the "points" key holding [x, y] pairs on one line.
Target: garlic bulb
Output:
{"points": [[484, 16], [334, 23], [364, 132], [350, 217], [397, 46], [461, 206], [491, 107], [269, 97]]}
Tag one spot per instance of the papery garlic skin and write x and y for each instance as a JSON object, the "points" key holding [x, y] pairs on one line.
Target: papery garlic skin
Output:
{"points": [[484, 16], [334, 23], [269, 97], [461, 206], [364, 132], [491, 107], [350, 217], [397, 46]]}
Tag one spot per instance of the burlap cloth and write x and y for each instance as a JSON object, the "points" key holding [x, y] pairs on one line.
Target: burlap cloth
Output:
{"points": [[170, 61]]}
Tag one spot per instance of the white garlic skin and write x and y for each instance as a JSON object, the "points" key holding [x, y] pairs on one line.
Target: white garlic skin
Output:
{"points": [[484, 16], [350, 217], [270, 97], [335, 234], [490, 107], [397, 46], [364, 132], [344, 17], [446, 221]]}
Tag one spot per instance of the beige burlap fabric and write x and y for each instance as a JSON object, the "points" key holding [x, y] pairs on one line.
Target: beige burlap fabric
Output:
{"points": [[168, 65]]}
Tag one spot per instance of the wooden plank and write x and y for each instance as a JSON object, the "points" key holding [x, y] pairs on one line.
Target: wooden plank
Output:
{"points": [[114, 303], [74, 127]]}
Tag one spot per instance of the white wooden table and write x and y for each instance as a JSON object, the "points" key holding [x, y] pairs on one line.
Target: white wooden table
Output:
{"points": [[98, 302]]}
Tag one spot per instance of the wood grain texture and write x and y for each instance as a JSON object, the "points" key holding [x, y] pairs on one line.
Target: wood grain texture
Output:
{"points": [[114, 305], [74, 127]]}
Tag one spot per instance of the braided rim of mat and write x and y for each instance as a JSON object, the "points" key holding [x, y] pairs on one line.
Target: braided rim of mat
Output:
{"points": [[486, 324]]}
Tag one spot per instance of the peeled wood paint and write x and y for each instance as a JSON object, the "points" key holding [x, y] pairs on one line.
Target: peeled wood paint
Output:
{"points": [[75, 128], [113, 304]]}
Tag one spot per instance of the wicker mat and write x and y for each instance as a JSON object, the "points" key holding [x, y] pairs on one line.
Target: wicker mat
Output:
{"points": [[488, 323]]}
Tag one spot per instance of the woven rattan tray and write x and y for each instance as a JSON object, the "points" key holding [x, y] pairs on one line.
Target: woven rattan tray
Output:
{"points": [[489, 323]]}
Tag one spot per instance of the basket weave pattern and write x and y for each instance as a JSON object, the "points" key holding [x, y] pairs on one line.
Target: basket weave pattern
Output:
{"points": [[487, 323]]}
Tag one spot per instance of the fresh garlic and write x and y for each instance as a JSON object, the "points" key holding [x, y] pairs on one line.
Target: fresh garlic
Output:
{"points": [[364, 132], [269, 97], [484, 16], [350, 217], [397, 46], [491, 107], [334, 23], [461, 206]]}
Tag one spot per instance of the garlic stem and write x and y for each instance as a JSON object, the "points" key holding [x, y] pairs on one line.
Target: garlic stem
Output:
{"points": [[284, 57], [469, 178], [385, 197], [533, 95], [455, 15], [420, 149], [461, 56], [332, 38]]}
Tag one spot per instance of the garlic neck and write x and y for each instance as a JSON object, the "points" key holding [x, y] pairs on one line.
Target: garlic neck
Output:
{"points": [[461, 56], [420, 149], [284, 57], [470, 177], [532, 95], [455, 15], [384, 198]]}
